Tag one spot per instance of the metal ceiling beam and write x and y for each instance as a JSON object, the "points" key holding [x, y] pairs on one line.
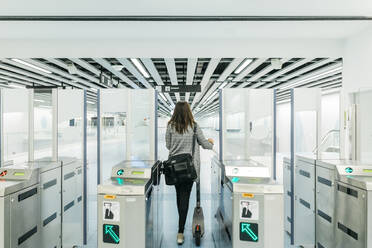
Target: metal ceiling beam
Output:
{"points": [[205, 82], [310, 76], [120, 75], [132, 69], [287, 69], [26, 79], [29, 74], [47, 75], [155, 75], [10, 79], [86, 66], [251, 67], [80, 73], [191, 67], [172, 72], [60, 72], [305, 69], [225, 74]]}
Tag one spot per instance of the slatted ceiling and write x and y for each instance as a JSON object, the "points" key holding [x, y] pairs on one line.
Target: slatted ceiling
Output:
{"points": [[259, 75]]}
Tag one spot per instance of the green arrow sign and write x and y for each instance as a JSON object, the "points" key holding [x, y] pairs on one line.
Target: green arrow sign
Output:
{"points": [[109, 231], [246, 228]]}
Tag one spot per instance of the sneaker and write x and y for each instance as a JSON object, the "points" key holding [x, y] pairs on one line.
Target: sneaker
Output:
{"points": [[180, 238]]}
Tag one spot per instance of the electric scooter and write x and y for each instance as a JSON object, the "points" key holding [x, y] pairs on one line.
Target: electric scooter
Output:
{"points": [[198, 218]]}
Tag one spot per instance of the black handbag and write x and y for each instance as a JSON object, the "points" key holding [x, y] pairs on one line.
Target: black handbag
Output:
{"points": [[180, 168]]}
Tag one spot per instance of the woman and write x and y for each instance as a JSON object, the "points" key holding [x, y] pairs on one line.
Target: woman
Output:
{"points": [[179, 138]]}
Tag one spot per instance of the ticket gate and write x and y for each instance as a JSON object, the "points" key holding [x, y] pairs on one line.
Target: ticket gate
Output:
{"points": [[19, 207], [129, 209], [250, 206], [353, 220]]}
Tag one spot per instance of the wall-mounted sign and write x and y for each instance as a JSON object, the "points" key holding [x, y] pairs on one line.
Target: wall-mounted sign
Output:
{"points": [[179, 88]]}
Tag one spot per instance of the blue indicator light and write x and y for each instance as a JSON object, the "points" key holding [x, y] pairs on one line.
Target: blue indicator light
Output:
{"points": [[120, 172], [120, 181], [349, 170]]}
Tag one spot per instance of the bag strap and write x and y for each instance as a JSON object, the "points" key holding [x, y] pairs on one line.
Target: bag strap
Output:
{"points": [[193, 141]]}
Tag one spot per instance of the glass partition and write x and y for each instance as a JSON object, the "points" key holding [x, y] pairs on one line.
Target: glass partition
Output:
{"points": [[15, 125], [70, 123], [114, 112], [127, 119], [364, 125], [306, 107], [43, 123], [248, 124], [142, 125]]}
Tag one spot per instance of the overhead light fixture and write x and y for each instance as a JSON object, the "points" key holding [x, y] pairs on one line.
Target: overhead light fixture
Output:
{"points": [[312, 78], [162, 96], [91, 102], [118, 67], [211, 96], [243, 65], [31, 65], [223, 85], [140, 67], [17, 86], [38, 100]]}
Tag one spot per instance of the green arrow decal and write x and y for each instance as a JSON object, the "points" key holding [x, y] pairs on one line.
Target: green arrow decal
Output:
{"points": [[108, 230], [246, 228], [120, 181]]}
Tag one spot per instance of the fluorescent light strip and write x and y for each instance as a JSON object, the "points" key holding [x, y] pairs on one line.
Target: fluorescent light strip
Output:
{"points": [[223, 85], [31, 65], [38, 100], [17, 86], [211, 96], [162, 96], [140, 67], [243, 65]]}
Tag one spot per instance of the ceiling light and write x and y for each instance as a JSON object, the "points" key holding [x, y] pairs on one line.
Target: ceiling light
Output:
{"points": [[31, 65], [222, 85], [311, 78], [211, 96], [17, 86], [38, 100], [118, 67], [140, 67], [243, 65], [162, 96], [91, 102]]}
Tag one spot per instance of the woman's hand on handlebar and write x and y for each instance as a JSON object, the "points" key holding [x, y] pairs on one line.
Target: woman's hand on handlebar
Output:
{"points": [[211, 141]]}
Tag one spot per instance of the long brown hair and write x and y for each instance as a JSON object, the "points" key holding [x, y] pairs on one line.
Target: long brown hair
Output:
{"points": [[182, 117]]}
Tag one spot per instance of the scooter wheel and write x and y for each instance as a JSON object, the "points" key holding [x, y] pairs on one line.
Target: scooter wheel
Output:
{"points": [[197, 239]]}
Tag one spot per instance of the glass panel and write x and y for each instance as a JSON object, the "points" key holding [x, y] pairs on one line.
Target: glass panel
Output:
{"points": [[364, 125], [113, 129], [306, 107], [70, 122], [15, 105], [248, 124], [43, 115], [142, 127]]}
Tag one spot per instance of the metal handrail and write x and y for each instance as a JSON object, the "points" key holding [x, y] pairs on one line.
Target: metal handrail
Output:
{"points": [[325, 137]]}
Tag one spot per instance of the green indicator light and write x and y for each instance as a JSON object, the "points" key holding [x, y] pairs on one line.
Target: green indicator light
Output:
{"points": [[120, 181], [249, 232], [120, 172], [109, 229], [349, 170], [235, 179]]}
